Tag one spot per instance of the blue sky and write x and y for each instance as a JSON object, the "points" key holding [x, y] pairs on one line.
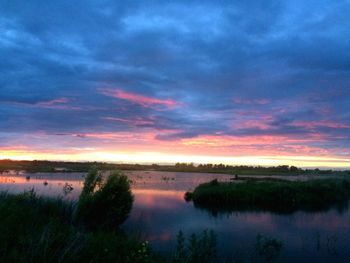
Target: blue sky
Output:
{"points": [[219, 79]]}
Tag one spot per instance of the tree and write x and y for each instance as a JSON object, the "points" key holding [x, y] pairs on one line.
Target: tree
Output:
{"points": [[104, 203]]}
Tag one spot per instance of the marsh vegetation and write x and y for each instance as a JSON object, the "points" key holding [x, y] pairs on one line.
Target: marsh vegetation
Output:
{"points": [[97, 226], [271, 195], [40, 229]]}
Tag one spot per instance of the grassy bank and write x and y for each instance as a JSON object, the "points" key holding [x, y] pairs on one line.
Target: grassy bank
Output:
{"points": [[272, 195]]}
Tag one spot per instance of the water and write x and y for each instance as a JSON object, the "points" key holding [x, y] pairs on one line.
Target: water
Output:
{"points": [[159, 212]]}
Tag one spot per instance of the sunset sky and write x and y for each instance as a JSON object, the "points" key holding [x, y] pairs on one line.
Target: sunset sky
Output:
{"points": [[235, 82]]}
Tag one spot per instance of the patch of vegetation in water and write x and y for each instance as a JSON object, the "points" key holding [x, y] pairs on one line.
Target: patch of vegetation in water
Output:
{"points": [[271, 195]]}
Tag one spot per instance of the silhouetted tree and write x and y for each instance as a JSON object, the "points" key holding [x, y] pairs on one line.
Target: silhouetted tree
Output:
{"points": [[104, 203]]}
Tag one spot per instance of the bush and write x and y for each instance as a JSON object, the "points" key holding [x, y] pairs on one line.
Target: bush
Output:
{"points": [[104, 203]]}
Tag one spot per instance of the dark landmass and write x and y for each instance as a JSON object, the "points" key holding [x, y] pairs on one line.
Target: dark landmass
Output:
{"points": [[52, 166], [279, 196]]}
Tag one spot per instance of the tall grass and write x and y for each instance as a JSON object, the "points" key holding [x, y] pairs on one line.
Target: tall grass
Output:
{"points": [[39, 229], [196, 248]]}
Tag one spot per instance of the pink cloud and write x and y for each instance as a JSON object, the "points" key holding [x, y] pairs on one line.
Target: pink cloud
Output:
{"points": [[255, 145], [138, 99], [60, 104], [52, 102], [251, 124]]}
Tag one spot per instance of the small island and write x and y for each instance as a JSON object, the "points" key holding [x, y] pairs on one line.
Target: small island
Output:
{"points": [[271, 195]]}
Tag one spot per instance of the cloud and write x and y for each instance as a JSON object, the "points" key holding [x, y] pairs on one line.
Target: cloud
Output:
{"points": [[251, 101], [59, 103], [186, 71], [144, 101], [134, 122]]}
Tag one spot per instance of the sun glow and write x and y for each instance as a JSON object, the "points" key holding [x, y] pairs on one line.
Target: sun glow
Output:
{"points": [[167, 158]]}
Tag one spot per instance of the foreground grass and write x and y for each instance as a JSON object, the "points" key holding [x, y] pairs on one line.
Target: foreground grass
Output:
{"points": [[35, 229], [40, 229], [273, 195]]}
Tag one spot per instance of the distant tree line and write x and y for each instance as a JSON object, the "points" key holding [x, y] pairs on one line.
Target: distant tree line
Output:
{"points": [[59, 166]]}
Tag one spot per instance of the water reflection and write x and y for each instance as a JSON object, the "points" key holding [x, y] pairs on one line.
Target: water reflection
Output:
{"points": [[53, 185], [160, 212], [215, 211]]}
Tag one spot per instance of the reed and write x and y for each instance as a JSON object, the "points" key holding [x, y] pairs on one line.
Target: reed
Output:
{"points": [[273, 195]]}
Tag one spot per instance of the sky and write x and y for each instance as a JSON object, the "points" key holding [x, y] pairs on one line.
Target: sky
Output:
{"points": [[234, 82]]}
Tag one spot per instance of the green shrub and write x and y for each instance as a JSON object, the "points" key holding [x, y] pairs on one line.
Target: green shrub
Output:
{"points": [[104, 203]]}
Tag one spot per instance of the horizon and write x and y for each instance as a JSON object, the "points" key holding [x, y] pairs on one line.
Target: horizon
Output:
{"points": [[324, 168], [250, 83]]}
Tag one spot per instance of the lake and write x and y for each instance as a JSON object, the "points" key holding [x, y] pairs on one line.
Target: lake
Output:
{"points": [[160, 212]]}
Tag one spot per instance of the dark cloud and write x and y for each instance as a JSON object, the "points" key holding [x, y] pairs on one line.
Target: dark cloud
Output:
{"points": [[235, 67]]}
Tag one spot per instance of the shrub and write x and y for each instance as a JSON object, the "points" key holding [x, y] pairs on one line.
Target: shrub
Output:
{"points": [[104, 203]]}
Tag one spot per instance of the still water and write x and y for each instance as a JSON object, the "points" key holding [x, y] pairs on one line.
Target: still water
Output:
{"points": [[160, 212]]}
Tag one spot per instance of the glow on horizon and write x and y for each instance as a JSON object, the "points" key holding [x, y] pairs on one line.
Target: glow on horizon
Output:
{"points": [[159, 84], [166, 158]]}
